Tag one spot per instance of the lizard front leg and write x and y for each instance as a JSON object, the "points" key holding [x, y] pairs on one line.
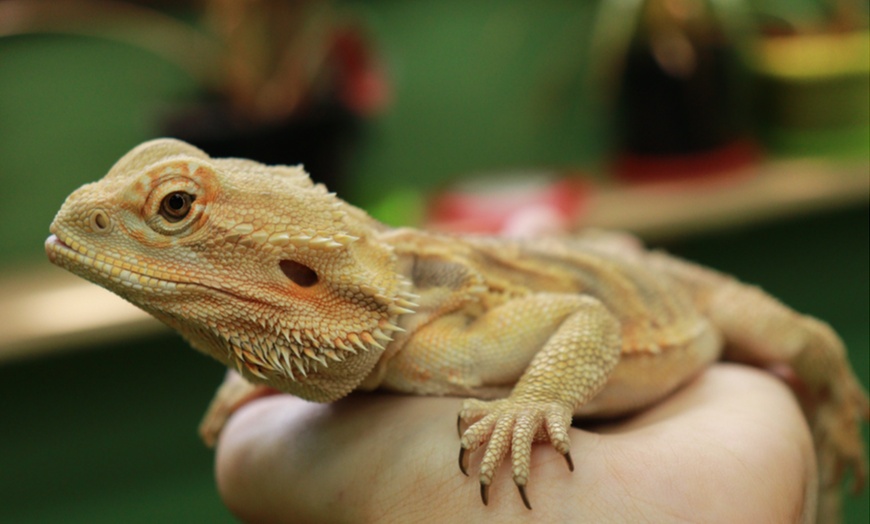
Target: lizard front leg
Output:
{"points": [[230, 396], [563, 348]]}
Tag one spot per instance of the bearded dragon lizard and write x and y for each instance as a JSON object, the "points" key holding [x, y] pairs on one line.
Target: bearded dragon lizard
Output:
{"points": [[300, 292]]}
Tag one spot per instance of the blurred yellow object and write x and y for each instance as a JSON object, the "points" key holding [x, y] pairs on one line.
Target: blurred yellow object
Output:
{"points": [[816, 81], [815, 56]]}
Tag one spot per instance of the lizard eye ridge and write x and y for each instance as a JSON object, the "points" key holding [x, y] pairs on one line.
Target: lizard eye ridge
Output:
{"points": [[176, 205]]}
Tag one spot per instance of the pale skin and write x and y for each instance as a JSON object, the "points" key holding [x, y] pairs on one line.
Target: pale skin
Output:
{"points": [[706, 453]]}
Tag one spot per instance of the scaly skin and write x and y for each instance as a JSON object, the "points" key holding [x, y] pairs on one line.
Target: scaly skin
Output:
{"points": [[297, 291]]}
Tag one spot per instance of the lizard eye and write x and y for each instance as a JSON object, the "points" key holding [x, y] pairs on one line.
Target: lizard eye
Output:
{"points": [[176, 205]]}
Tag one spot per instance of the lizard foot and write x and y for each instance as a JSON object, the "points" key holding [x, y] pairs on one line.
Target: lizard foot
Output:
{"points": [[232, 394], [511, 425], [837, 433]]}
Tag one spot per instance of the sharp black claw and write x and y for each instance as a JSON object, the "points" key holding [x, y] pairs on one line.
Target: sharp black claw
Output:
{"points": [[459, 425], [523, 495], [570, 462], [463, 461], [484, 493]]}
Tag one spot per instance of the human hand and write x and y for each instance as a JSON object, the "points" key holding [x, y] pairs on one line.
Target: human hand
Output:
{"points": [[731, 446]]}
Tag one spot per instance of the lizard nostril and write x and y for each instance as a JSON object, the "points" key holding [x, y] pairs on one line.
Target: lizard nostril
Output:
{"points": [[99, 221]]}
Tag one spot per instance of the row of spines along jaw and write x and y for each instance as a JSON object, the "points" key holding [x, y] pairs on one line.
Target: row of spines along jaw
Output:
{"points": [[296, 352]]}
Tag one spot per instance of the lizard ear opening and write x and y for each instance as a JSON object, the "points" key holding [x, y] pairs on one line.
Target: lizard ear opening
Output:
{"points": [[300, 274]]}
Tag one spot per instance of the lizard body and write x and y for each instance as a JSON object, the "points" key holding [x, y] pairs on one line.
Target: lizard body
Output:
{"points": [[301, 292]]}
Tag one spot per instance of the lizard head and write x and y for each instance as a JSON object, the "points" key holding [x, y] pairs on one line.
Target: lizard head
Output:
{"points": [[255, 265]]}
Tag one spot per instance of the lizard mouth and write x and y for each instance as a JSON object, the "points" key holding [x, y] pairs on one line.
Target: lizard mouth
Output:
{"points": [[103, 269], [53, 243], [118, 275]]}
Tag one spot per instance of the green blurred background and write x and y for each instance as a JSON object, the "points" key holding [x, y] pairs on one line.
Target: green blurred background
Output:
{"points": [[106, 433]]}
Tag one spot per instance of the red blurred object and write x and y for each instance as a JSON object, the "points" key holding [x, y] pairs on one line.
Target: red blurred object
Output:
{"points": [[494, 206], [363, 86], [633, 167]]}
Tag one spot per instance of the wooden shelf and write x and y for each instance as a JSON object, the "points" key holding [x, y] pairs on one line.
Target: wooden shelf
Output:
{"points": [[51, 310], [775, 190]]}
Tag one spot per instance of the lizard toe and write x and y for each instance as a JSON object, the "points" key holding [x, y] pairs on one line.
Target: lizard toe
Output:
{"points": [[508, 425]]}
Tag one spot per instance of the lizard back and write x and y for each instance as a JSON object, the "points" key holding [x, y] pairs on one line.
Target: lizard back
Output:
{"points": [[656, 312]]}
